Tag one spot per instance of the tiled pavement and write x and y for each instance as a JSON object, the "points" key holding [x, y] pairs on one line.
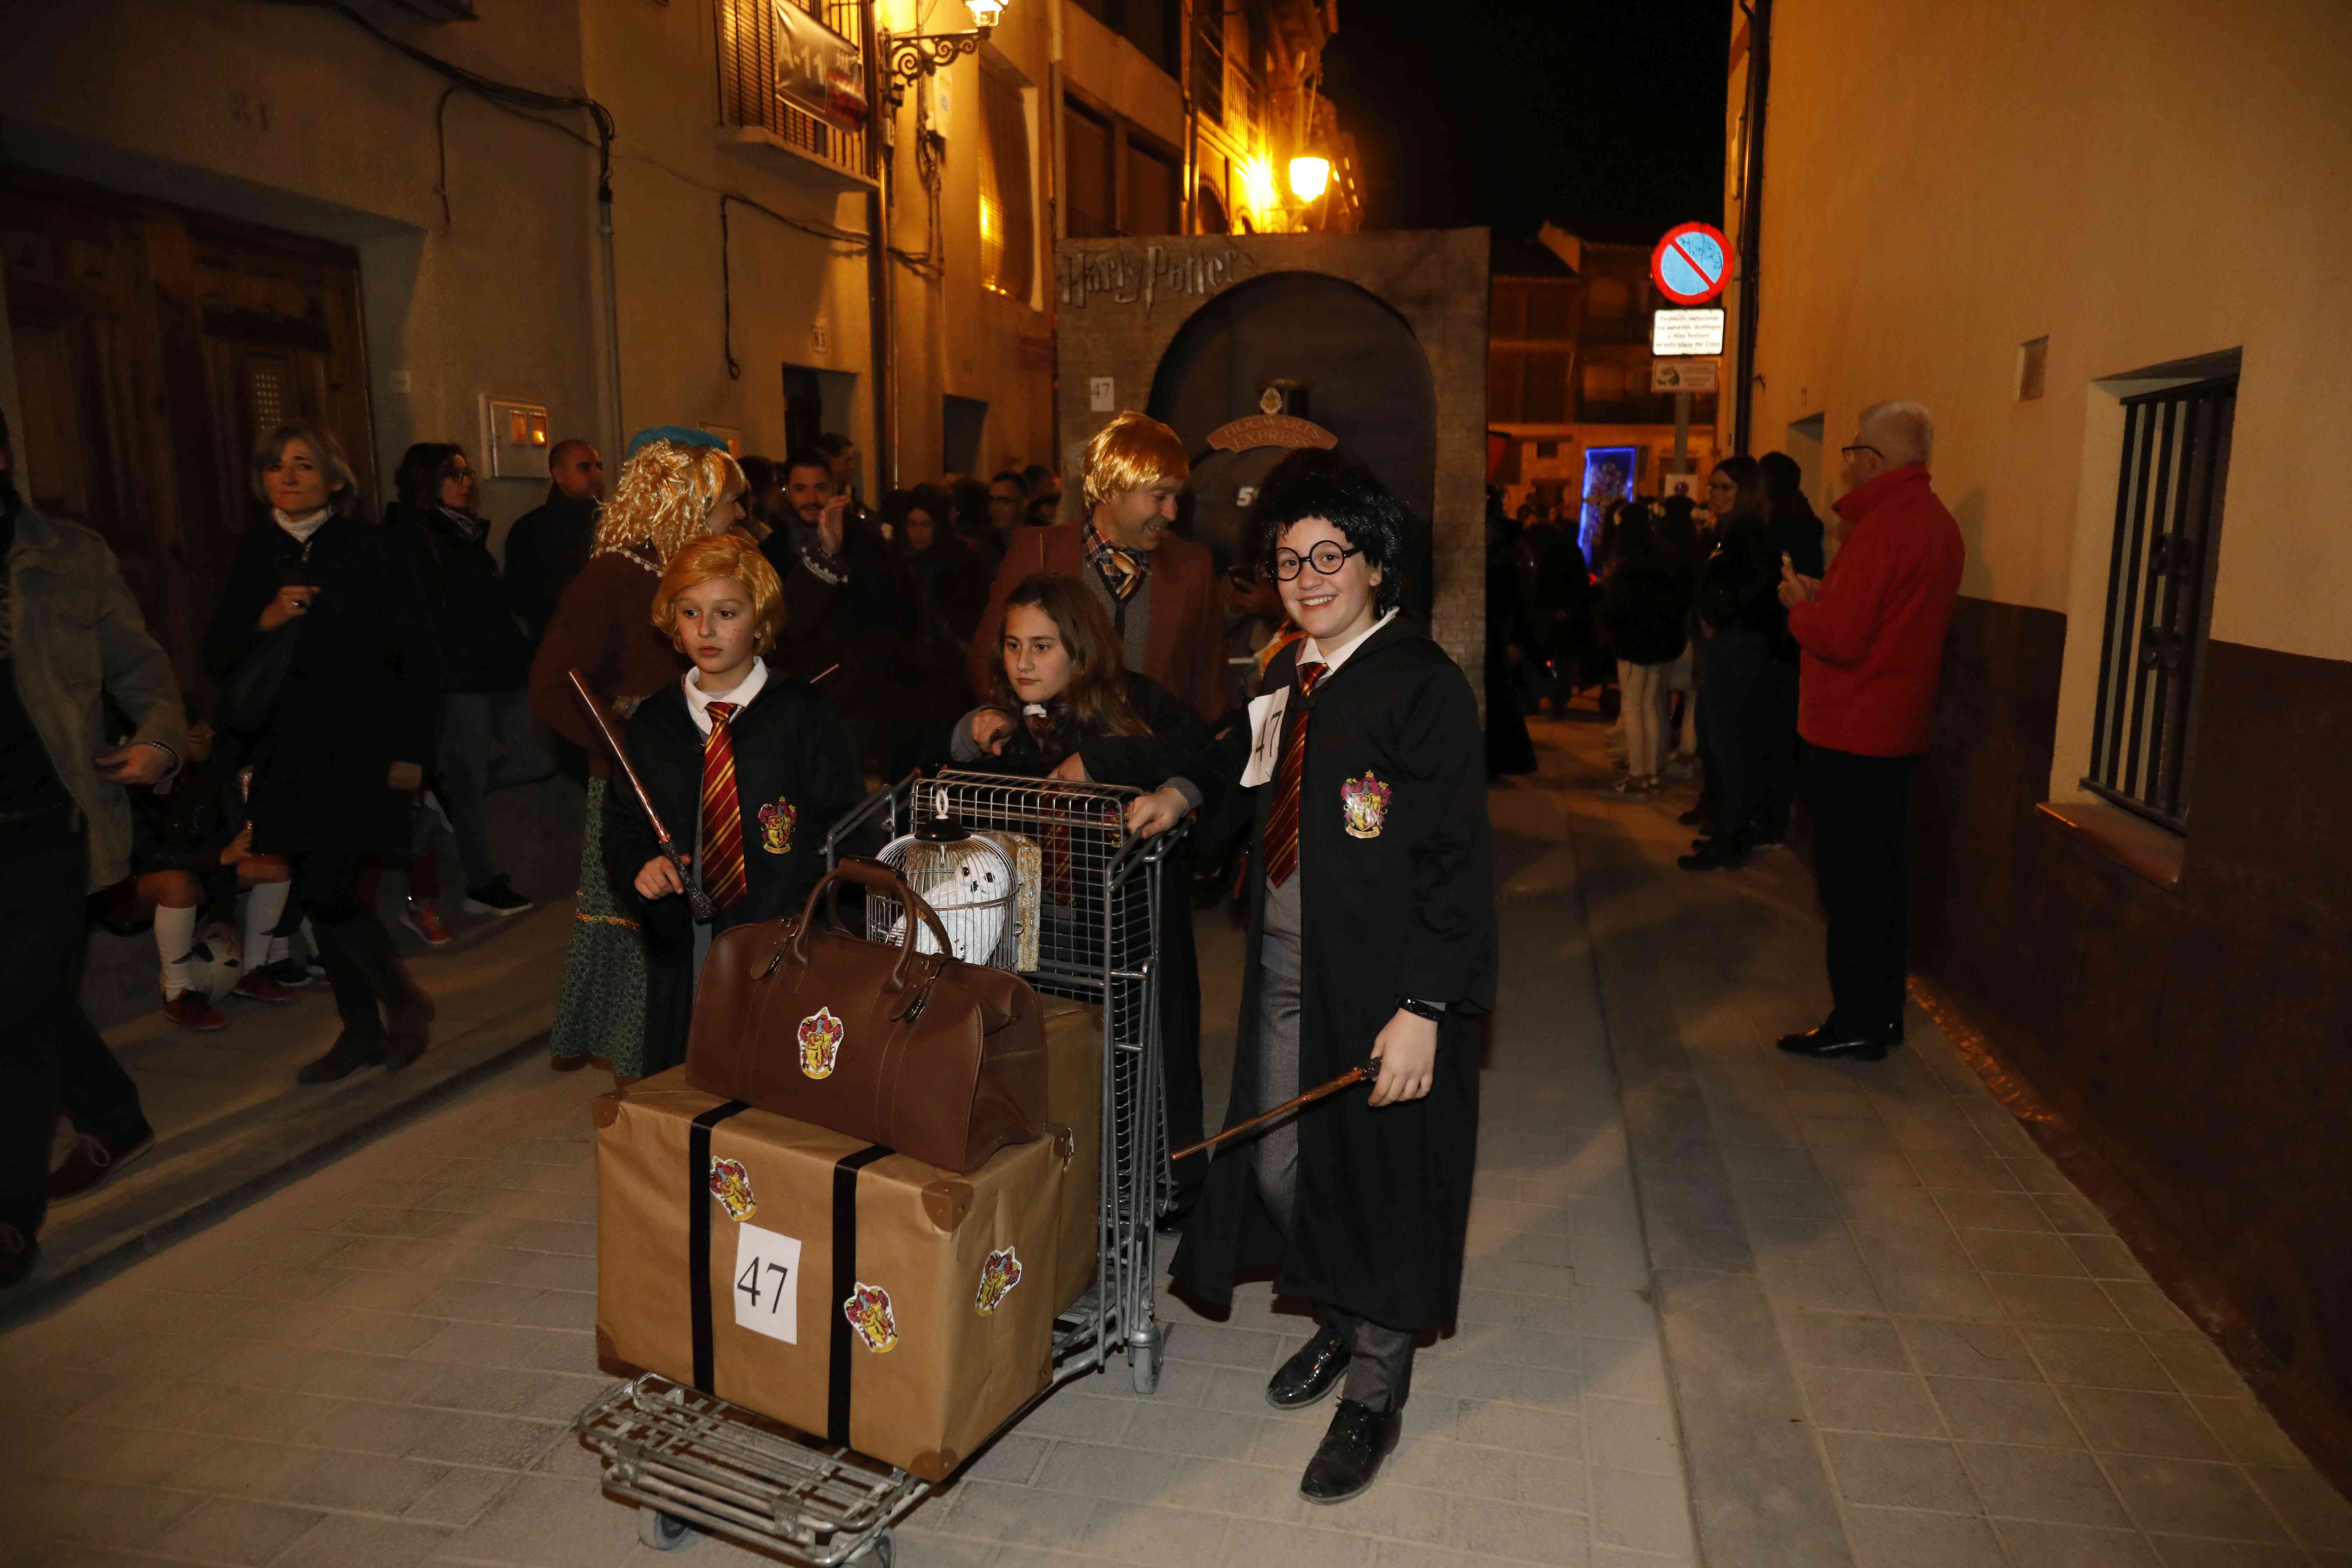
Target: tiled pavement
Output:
{"points": [[377, 1364]]}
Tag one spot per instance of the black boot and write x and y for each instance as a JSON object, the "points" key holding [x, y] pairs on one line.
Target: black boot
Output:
{"points": [[1350, 1453], [407, 1010], [1313, 1372], [1724, 850], [355, 1048]]}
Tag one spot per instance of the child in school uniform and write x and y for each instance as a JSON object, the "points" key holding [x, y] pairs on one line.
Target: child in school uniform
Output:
{"points": [[1372, 934], [1063, 706], [748, 768]]}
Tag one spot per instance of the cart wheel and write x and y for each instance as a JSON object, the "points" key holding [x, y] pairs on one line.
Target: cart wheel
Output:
{"points": [[1143, 1368], [663, 1532], [879, 1553]]}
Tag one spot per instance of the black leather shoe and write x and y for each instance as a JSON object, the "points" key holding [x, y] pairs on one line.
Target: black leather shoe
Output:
{"points": [[1832, 1042], [351, 1051], [1313, 1372], [1350, 1453], [1712, 853]]}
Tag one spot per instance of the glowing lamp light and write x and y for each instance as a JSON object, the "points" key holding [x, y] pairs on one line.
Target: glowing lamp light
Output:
{"points": [[984, 12], [1257, 185], [1309, 177]]}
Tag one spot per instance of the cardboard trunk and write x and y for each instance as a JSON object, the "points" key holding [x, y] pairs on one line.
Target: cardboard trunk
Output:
{"points": [[859, 1296]]}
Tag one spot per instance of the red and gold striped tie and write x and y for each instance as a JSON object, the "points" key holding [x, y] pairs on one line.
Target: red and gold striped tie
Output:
{"points": [[1282, 818], [723, 815]]}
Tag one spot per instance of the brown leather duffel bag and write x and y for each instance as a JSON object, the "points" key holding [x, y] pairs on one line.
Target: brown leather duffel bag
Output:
{"points": [[921, 1052]]}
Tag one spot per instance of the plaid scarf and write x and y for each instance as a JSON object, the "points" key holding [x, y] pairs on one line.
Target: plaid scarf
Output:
{"points": [[1122, 570]]}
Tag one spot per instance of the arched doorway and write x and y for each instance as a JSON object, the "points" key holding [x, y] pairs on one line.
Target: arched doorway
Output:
{"points": [[1344, 359]]}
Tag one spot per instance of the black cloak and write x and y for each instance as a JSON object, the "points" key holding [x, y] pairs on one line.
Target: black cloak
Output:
{"points": [[795, 775], [1396, 900]]}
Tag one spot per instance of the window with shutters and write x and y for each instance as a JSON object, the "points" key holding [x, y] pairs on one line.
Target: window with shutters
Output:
{"points": [[1543, 400], [1209, 60], [1151, 191], [1008, 245], [1086, 156]]}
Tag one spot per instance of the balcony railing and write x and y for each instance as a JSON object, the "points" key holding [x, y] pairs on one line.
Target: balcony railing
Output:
{"points": [[749, 35]]}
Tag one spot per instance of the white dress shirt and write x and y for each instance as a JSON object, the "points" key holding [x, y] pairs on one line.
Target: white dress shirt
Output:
{"points": [[699, 701]]}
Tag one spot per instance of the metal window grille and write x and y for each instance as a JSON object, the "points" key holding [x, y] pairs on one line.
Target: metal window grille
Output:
{"points": [[746, 76], [2160, 596]]}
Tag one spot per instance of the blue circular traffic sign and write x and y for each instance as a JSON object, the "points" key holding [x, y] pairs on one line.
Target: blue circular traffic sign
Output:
{"points": [[1690, 264]]}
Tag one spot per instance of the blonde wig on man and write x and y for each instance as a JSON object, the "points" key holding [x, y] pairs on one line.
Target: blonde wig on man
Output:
{"points": [[717, 557], [1130, 453], [663, 498]]}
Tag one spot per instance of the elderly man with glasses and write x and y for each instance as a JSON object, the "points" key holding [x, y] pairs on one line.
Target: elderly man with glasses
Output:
{"points": [[1871, 635]]}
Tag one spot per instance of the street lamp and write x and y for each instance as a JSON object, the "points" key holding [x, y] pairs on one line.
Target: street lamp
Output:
{"points": [[910, 57], [1309, 177]]}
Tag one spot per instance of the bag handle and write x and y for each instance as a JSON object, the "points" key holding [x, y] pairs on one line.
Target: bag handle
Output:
{"points": [[875, 877]]}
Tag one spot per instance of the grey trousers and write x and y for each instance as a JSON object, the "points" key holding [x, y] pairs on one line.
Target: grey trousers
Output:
{"points": [[1379, 1369]]}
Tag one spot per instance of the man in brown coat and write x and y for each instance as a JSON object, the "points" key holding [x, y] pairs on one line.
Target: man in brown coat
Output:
{"points": [[1161, 589]]}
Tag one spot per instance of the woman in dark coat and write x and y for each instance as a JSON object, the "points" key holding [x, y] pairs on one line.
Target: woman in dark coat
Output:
{"points": [[1645, 612], [1738, 598], [1371, 933], [339, 760]]}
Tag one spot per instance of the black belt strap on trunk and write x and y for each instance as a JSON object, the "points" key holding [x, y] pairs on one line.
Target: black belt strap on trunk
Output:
{"points": [[697, 1233], [845, 1281]]}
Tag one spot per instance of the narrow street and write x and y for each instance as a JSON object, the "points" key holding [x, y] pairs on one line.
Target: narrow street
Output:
{"points": [[1718, 1307]]}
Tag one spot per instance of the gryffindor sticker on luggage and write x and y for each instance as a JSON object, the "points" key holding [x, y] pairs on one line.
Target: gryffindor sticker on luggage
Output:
{"points": [[997, 1277], [731, 1183], [820, 1034], [868, 1312]]}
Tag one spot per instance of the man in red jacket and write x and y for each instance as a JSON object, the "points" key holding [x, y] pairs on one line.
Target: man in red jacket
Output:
{"points": [[1872, 635]]}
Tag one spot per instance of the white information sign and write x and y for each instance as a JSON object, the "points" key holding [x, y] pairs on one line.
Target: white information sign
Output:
{"points": [[1682, 375], [768, 1283], [1676, 334]]}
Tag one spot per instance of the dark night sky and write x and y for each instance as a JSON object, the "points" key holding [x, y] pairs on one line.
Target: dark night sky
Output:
{"points": [[1604, 116]]}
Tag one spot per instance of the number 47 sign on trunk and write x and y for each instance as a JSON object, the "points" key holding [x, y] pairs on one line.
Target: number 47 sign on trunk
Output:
{"points": [[768, 1283]]}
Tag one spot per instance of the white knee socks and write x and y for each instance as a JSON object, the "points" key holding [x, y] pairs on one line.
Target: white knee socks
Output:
{"points": [[264, 903], [175, 935]]}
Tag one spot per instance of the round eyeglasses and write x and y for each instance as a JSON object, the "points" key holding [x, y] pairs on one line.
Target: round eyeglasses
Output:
{"points": [[1326, 558]]}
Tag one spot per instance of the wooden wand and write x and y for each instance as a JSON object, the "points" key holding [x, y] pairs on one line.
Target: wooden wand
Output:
{"points": [[1363, 1074], [696, 899]]}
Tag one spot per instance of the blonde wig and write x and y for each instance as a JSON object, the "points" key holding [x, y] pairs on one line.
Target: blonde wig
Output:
{"points": [[663, 495], [1134, 450], [713, 558]]}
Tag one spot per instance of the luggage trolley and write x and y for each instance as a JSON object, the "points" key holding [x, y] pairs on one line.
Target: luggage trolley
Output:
{"points": [[695, 1463]]}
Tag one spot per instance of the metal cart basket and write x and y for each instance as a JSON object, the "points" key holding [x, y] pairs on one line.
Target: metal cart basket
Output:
{"points": [[694, 1462]]}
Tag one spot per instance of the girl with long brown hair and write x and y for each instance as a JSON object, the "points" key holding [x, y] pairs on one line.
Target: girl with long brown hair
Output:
{"points": [[1065, 708]]}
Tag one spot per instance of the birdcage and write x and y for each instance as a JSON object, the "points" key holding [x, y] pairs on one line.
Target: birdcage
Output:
{"points": [[970, 880]]}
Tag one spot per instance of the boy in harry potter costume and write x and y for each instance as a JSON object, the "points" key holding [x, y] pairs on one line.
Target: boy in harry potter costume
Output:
{"points": [[748, 766], [1372, 934]]}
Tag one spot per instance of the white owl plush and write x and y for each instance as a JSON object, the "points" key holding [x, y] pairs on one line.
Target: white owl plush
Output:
{"points": [[969, 882]]}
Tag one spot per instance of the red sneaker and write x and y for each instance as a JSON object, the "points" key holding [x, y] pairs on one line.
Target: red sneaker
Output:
{"points": [[426, 920], [195, 1010], [257, 986]]}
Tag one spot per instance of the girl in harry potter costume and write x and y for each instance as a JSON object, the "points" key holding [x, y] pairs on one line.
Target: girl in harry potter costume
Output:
{"points": [[1371, 933], [1064, 707]]}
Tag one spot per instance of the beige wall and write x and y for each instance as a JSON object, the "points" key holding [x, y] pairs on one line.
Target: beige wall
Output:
{"points": [[2142, 181], [506, 296]]}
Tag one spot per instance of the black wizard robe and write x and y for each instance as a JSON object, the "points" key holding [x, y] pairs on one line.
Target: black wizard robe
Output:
{"points": [[795, 776], [1396, 900]]}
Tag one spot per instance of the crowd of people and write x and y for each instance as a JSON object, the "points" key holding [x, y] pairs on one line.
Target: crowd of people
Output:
{"points": [[771, 647]]}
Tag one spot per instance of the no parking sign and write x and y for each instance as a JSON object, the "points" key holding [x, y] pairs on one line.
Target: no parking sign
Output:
{"points": [[1690, 264]]}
